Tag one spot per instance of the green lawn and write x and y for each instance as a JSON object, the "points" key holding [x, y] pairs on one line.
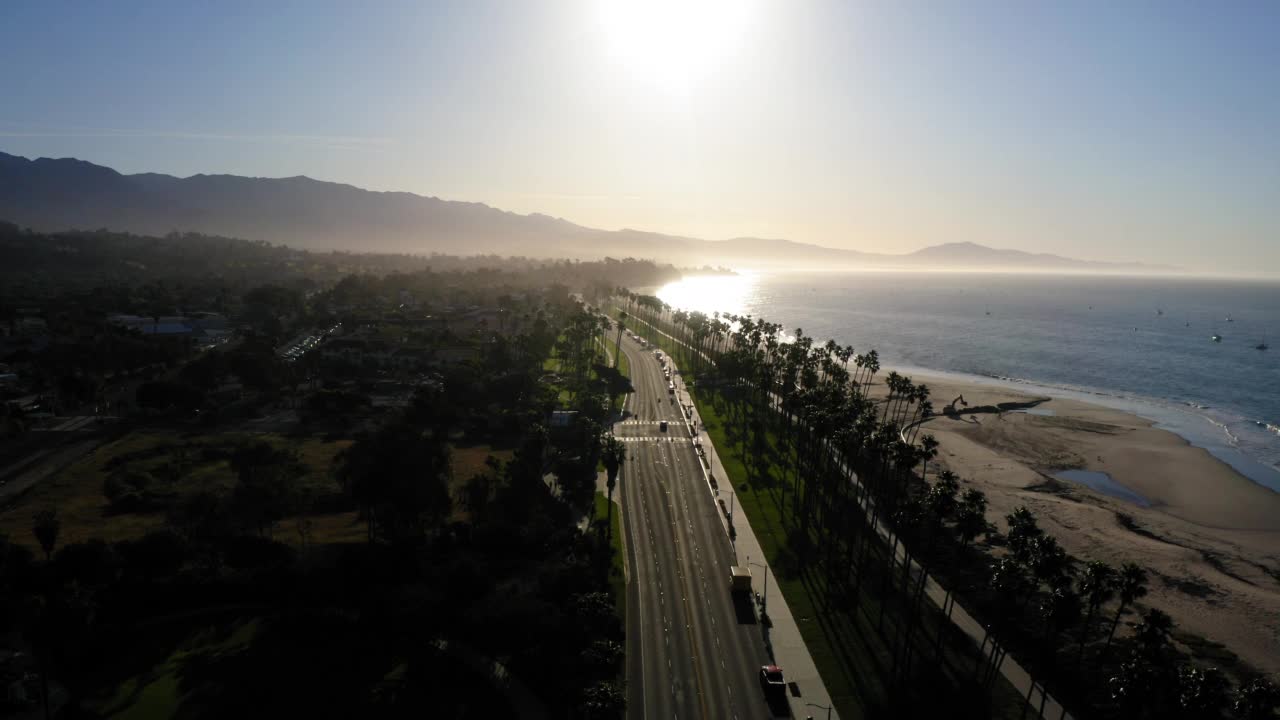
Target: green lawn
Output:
{"points": [[617, 571], [180, 463], [155, 693]]}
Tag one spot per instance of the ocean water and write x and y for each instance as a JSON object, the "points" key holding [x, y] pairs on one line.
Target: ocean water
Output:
{"points": [[1139, 344]]}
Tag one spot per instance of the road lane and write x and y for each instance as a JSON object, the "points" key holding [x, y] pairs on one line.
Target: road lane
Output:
{"points": [[690, 656]]}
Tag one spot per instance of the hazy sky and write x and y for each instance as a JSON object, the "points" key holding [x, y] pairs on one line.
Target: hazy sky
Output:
{"points": [[1105, 130]]}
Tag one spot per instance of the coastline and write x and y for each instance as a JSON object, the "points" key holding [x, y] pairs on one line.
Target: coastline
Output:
{"points": [[1193, 423], [1208, 534]]}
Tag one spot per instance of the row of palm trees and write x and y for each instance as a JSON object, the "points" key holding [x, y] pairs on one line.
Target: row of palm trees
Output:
{"points": [[810, 423]]}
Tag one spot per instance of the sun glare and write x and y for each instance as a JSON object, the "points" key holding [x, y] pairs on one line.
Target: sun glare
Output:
{"points": [[673, 44]]}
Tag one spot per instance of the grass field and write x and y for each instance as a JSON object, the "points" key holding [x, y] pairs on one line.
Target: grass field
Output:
{"points": [[154, 693], [617, 571], [184, 464]]}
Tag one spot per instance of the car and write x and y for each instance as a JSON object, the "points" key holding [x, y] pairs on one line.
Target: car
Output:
{"points": [[662, 426], [772, 683]]}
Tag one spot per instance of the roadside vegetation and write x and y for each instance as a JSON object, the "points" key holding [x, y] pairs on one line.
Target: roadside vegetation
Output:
{"points": [[387, 522], [794, 421]]}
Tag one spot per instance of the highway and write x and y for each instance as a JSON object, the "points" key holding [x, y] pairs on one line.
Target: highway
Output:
{"points": [[692, 652]]}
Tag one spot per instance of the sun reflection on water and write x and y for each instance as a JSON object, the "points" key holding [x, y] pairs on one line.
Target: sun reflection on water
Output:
{"points": [[711, 293]]}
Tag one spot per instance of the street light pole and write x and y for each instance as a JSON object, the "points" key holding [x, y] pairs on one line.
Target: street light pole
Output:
{"points": [[764, 597], [820, 707]]}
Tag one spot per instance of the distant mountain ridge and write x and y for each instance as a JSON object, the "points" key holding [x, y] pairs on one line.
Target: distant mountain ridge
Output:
{"points": [[60, 194]]}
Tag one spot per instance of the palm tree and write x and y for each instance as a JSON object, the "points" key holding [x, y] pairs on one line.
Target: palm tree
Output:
{"points": [[1153, 632], [1010, 583], [617, 345], [1256, 700], [1023, 529], [614, 453], [928, 451], [1131, 585], [971, 520], [45, 526], [1049, 562], [1097, 586], [941, 498], [1058, 609], [1201, 693]]}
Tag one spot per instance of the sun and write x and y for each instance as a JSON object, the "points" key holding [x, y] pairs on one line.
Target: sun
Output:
{"points": [[673, 45]]}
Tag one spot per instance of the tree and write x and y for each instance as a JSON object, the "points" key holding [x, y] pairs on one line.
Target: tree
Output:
{"points": [[1136, 688], [399, 479], [1153, 632], [604, 700], [267, 489], [1255, 700], [1059, 609], [1022, 530], [971, 520], [1097, 586], [45, 526], [1009, 582], [1131, 585], [614, 453], [1201, 693], [1048, 561], [928, 451]]}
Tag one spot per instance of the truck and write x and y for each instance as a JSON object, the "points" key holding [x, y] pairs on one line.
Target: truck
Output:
{"points": [[740, 579]]}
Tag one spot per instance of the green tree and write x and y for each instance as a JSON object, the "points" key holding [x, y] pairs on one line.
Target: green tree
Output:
{"points": [[1097, 586], [1256, 699], [971, 519], [614, 454], [1201, 693], [45, 526], [399, 479], [1130, 586]]}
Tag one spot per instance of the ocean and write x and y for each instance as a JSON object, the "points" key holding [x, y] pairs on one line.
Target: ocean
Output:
{"points": [[1144, 345]]}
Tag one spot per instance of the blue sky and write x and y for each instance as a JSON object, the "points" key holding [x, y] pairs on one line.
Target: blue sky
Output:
{"points": [[1147, 131]]}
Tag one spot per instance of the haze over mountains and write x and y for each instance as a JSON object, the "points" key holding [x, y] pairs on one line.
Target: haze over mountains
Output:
{"points": [[60, 194]]}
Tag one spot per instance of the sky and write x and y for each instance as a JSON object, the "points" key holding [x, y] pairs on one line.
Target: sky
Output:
{"points": [[1145, 131]]}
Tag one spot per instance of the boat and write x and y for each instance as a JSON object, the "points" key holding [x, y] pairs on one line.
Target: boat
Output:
{"points": [[1216, 338], [1229, 319], [1159, 311], [1260, 346]]}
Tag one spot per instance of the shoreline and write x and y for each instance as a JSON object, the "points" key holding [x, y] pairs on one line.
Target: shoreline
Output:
{"points": [[1208, 535], [1189, 423]]}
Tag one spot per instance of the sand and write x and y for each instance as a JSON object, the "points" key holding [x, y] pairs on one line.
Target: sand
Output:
{"points": [[1210, 538]]}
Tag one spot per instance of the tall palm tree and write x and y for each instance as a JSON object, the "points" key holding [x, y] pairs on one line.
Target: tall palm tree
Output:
{"points": [[1130, 586], [1097, 586], [613, 454], [928, 451], [971, 519], [1023, 529], [617, 345], [1256, 700]]}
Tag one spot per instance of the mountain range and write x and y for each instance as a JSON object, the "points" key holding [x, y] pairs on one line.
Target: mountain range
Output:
{"points": [[51, 195]]}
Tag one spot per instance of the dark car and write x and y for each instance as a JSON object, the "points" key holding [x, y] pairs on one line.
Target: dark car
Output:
{"points": [[662, 426], [775, 688]]}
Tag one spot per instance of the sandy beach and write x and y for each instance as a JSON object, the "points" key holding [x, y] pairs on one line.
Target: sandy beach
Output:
{"points": [[1209, 537]]}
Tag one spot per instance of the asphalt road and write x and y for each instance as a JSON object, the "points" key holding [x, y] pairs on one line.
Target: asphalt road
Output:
{"points": [[693, 651]]}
